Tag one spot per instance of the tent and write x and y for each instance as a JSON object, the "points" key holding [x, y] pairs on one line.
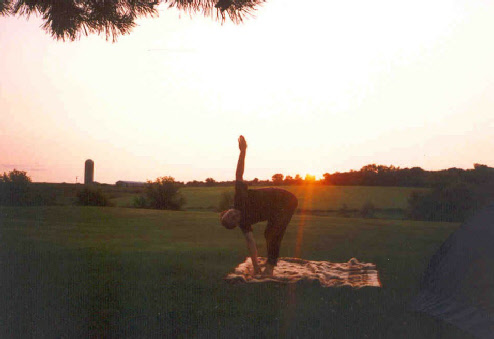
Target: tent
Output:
{"points": [[458, 284]]}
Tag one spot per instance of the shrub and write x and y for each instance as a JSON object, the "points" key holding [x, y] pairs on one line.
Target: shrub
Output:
{"points": [[225, 202], [140, 202], [163, 194], [92, 197]]}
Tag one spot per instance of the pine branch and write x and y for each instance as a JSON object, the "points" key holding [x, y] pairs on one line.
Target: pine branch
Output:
{"points": [[69, 19]]}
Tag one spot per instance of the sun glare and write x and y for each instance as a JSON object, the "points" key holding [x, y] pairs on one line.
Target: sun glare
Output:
{"points": [[305, 204], [335, 93]]}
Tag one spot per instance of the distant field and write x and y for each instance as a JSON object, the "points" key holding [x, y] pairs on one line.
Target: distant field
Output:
{"points": [[319, 198], [65, 194], [389, 202], [115, 272]]}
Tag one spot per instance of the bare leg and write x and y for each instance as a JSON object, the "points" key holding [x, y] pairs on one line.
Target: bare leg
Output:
{"points": [[275, 230], [268, 270], [274, 234]]}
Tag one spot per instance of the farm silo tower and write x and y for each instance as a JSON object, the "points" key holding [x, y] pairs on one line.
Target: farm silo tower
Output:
{"points": [[88, 172]]}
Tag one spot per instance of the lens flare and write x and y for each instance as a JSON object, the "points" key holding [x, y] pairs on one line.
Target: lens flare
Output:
{"points": [[292, 300], [305, 206]]}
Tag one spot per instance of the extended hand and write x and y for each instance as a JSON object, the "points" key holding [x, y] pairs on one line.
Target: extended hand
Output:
{"points": [[242, 144]]}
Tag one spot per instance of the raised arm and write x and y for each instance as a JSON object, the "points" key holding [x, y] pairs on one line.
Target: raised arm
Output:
{"points": [[242, 145]]}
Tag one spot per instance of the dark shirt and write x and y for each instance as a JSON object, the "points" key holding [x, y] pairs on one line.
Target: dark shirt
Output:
{"points": [[258, 205]]}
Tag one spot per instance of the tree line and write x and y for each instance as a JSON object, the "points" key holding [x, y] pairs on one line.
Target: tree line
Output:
{"points": [[17, 189], [380, 175], [373, 175], [454, 194]]}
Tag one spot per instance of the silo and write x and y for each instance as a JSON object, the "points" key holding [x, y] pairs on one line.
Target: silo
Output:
{"points": [[88, 172]]}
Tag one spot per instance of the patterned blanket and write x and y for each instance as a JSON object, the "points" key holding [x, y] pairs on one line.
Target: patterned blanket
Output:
{"points": [[291, 270]]}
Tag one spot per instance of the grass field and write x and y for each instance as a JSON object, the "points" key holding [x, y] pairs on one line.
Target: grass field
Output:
{"points": [[116, 272], [389, 202], [311, 198]]}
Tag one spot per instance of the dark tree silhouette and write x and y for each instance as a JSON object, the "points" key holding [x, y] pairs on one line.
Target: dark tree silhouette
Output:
{"points": [[288, 180], [210, 182], [14, 188], [298, 179], [69, 19], [277, 178]]}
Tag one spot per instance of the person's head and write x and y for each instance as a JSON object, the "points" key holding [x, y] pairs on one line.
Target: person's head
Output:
{"points": [[230, 218]]}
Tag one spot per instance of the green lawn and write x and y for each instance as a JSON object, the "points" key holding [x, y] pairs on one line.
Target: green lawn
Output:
{"points": [[116, 272], [389, 202], [312, 198]]}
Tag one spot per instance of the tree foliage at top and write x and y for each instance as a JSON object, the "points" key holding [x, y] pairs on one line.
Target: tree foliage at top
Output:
{"points": [[69, 19], [15, 177], [14, 188], [277, 178], [162, 194]]}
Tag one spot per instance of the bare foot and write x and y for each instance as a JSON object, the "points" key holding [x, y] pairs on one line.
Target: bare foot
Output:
{"points": [[256, 271], [268, 271]]}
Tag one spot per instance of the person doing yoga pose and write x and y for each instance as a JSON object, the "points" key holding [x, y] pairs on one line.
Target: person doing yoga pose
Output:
{"points": [[274, 205]]}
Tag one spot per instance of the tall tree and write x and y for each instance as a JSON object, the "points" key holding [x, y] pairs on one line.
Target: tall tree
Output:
{"points": [[277, 178], [210, 182], [69, 19]]}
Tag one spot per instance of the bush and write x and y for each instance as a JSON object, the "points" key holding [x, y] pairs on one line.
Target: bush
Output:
{"points": [[368, 210], [92, 197], [161, 194], [140, 202], [15, 188], [226, 201]]}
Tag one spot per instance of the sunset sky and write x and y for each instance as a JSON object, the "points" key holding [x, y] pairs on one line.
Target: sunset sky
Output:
{"points": [[318, 89]]}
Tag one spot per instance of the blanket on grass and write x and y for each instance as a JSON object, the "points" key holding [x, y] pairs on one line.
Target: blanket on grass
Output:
{"points": [[291, 270]]}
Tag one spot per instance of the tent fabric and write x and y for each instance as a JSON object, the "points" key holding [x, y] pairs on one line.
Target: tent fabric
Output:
{"points": [[292, 270], [458, 284]]}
